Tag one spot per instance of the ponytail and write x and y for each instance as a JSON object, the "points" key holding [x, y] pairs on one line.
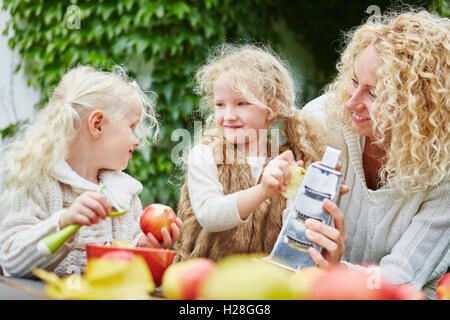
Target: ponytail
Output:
{"points": [[37, 149], [304, 136]]}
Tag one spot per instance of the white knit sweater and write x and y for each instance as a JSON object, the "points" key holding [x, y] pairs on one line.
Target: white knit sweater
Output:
{"points": [[409, 239], [215, 211], [30, 219]]}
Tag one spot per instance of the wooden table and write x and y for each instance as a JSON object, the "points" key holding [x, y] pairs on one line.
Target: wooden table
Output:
{"points": [[21, 289], [25, 289]]}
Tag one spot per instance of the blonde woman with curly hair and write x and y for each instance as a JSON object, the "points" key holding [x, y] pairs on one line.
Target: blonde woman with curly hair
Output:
{"points": [[391, 103], [83, 138], [230, 202]]}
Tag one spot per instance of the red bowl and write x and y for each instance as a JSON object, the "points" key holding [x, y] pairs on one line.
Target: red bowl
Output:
{"points": [[157, 259]]}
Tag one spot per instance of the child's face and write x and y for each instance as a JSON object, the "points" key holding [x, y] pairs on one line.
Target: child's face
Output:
{"points": [[119, 140], [238, 119]]}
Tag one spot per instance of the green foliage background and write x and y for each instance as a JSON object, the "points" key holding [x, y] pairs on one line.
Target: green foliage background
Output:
{"points": [[161, 43]]}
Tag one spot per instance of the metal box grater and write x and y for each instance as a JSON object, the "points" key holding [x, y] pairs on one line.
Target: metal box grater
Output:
{"points": [[321, 181]]}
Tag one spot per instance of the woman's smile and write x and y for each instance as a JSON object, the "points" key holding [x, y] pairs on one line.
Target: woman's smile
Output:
{"points": [[359, 119]]}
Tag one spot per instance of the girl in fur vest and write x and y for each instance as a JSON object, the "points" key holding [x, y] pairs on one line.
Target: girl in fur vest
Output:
{"points": [[83, 138], [230, 202]]}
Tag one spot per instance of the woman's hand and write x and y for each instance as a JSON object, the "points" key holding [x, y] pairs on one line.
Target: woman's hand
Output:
{"points": [[329, 238], [276, 174], [87, 209], [149, 241]]}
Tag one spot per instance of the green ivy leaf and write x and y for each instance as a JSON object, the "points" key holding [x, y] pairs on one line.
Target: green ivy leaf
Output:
{"points": [[180, 9], [159, 11], [141, 45], [106, 12]]}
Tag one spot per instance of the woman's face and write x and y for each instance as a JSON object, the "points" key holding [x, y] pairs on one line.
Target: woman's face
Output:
{"points": [[361, 91]]}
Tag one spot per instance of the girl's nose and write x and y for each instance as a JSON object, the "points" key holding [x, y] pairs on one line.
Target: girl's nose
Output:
{"points": [[230, 114]]}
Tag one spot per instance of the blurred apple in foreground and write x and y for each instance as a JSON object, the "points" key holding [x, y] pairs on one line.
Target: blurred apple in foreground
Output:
{"points": [[155, 217], [443, 287], [103, 279], [407, 292], [339, 283], [303, 281], [182, 280], [247, 277]]}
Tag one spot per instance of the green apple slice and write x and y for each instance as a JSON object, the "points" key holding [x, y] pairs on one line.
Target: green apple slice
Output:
{"points": [[297, 174]]}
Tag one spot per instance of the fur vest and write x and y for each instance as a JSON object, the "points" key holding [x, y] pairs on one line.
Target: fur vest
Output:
{"points": [[259, 233]]}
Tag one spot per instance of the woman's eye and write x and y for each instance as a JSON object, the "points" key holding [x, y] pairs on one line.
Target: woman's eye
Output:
{"points": [[372, 95], [355, 83], [219, 104], [243, 103]]}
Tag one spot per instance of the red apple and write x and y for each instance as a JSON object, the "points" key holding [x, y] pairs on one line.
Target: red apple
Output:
{"points": [[155, 217], [119, 255], [339, 283], [182, 280], [407, 292], [443, 287], [303, 281]]}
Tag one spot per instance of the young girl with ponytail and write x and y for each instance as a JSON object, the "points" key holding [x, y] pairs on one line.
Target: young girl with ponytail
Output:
{"points": [[82, 139], [230, 202]]}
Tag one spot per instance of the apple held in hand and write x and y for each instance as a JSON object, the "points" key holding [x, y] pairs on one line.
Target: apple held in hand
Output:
{"points": [[443, 287], [297, 175], [181, 280], [155, 217]]}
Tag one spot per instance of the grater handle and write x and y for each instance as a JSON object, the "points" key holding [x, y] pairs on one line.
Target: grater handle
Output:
{"points": [[330, 157]]}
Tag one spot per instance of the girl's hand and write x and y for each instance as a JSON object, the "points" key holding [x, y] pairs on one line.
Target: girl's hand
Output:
{"points": [[276, 174], [331, 239], [86, 209], [150, 241]]}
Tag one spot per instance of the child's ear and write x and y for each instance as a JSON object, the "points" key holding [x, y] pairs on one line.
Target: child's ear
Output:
{"points": [[95, 123]]}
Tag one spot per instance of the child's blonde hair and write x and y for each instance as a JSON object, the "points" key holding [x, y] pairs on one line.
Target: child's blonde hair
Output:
{"points": [[257, 73], [412, 92], [39, 147], [261, 76]]}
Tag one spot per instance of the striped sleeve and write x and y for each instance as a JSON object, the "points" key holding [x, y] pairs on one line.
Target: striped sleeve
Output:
{"points": [[423, 250], [23, 226]]}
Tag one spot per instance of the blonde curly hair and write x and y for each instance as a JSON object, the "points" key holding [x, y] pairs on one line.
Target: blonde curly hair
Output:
{"points": [[257, 73], [39, 147], [413, 99]]}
